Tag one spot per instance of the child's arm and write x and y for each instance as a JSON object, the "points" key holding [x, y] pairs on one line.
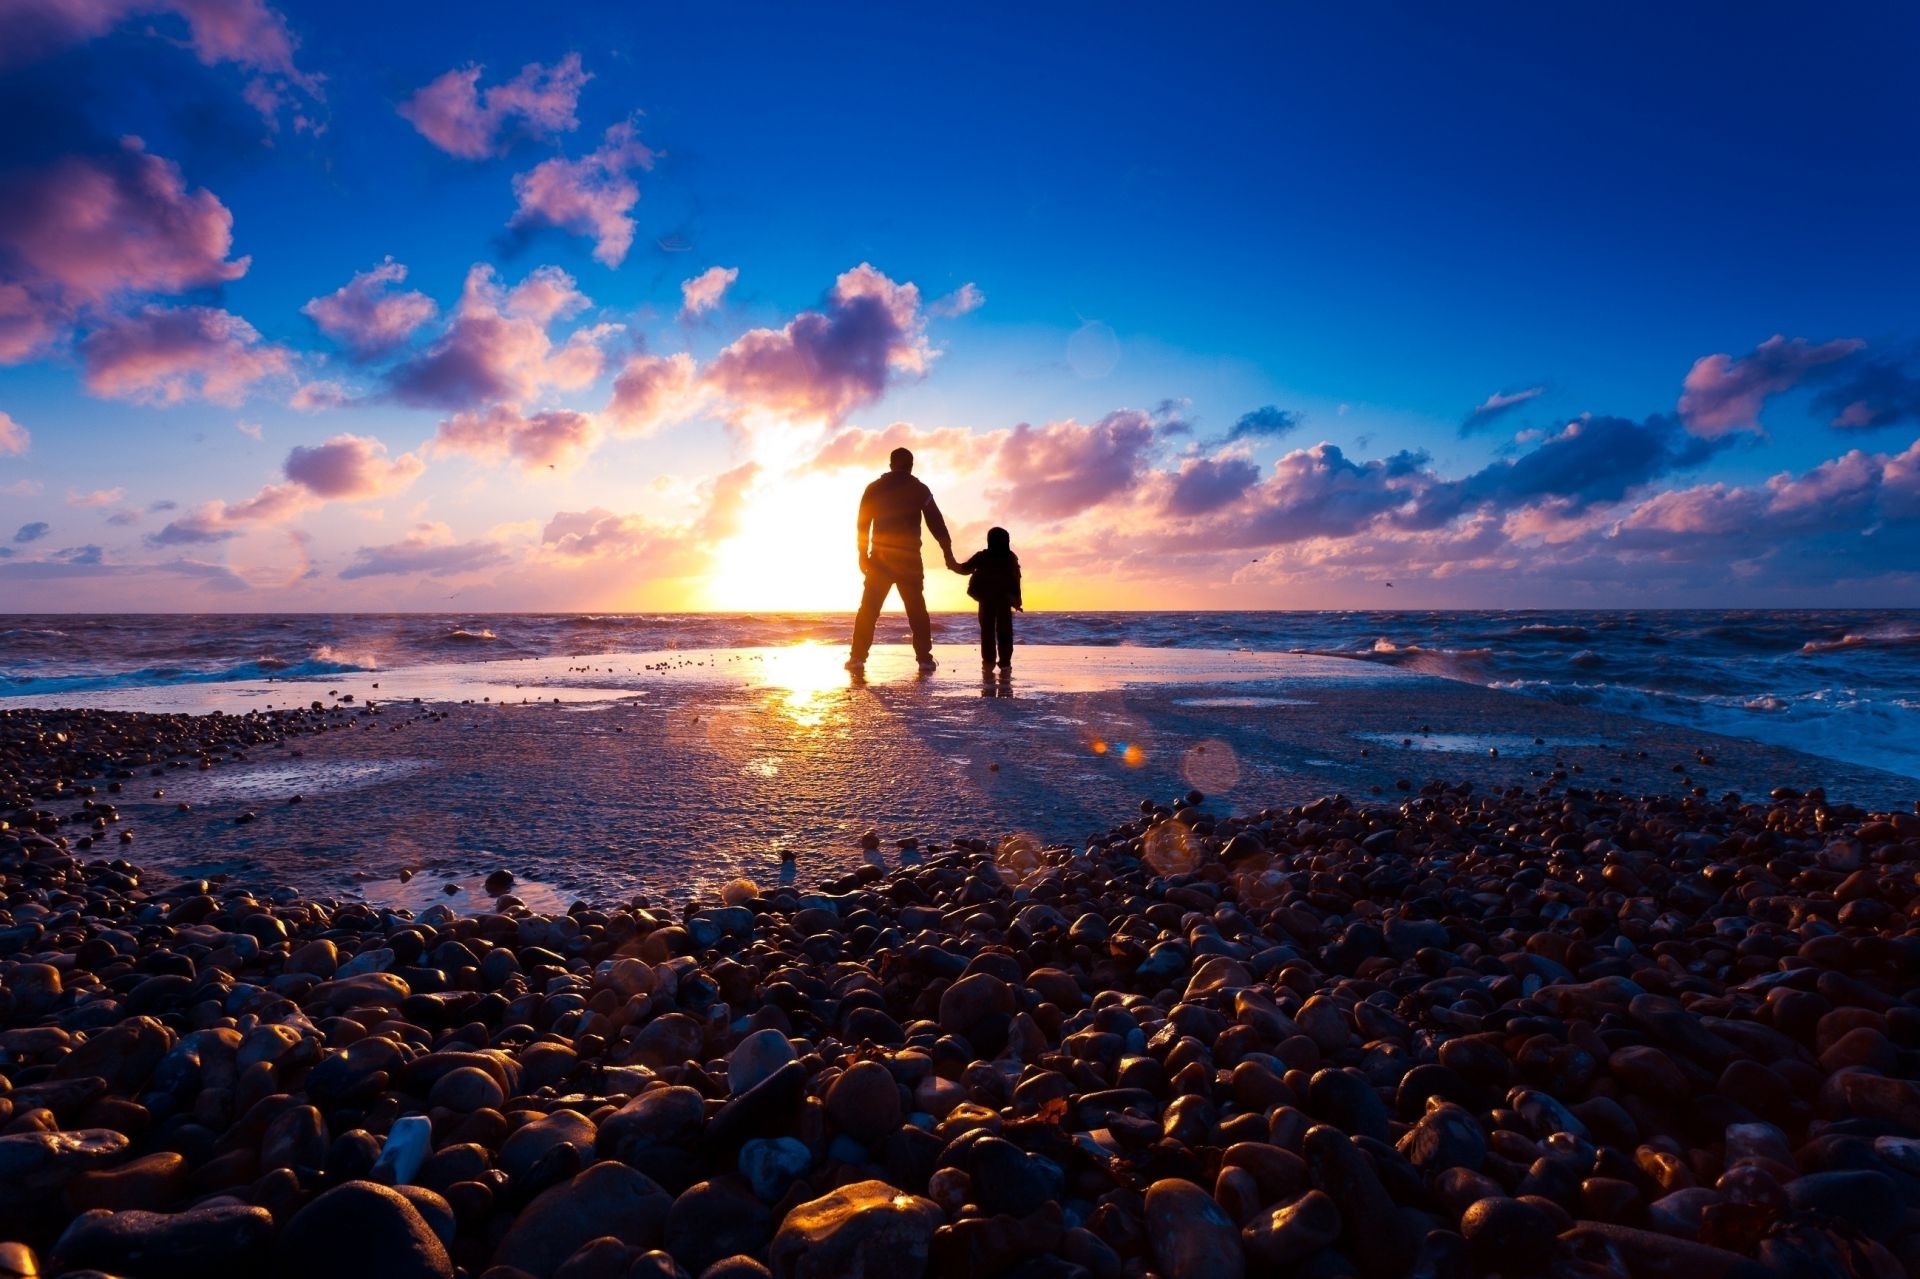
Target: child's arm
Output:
{"points": [[964, 568], [1017, 607]]}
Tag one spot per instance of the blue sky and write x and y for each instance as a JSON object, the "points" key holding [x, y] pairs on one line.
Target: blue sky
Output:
{"points": [[1372, 218]]}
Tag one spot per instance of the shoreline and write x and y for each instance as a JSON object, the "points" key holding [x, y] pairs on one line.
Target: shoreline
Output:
{"points": [[1447, 1031]]}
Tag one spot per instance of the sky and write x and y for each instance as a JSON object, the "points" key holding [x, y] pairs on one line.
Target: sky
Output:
{"points": [[316, 307]]}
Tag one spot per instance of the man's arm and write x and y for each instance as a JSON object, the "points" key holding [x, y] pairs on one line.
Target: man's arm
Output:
{"points": [[937, 525], [863, 529]]}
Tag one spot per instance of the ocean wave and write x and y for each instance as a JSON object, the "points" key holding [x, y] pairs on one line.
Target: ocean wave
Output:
{"points": [[267, 667], [1552, 630], [1863, 639], [461, 635], [28, 632]]}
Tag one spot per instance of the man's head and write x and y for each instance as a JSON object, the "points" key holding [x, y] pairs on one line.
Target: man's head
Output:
{"points": [[901, 460]]}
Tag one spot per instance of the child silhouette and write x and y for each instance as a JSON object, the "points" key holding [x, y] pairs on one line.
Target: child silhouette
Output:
{"points": [[995, 584]]}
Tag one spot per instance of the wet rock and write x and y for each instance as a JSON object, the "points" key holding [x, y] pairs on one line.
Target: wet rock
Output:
{"points": [[534, 1141], [864, 1229], [715, 1219], [607, 1198], [1281, 1236], [361, 1228], [1504, 1234], [864, 1102], [213, 1239]]}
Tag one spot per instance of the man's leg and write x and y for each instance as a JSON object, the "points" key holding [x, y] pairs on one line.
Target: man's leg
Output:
{"points": [[986, 635], [1005, 628], [871, 600], [913, 595]]}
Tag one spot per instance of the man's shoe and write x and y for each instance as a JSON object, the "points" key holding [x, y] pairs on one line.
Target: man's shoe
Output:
{"points": [[856, 663], [928, 665]]}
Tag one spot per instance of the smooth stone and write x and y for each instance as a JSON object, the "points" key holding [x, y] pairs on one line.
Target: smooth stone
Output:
{"points": [[533, 1141], [362, 1229], [1191, 1235], [1647, 1254], [606, 1198], [225, 1238], [865, 1229], [771, 1164], [466, 1090], [715, 1219], [1503, 1233], [864, 1102], [755, 1058], [1292, 1232]]}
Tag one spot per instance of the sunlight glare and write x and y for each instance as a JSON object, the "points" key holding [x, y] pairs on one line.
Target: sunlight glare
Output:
{"points": [[807, 676]]}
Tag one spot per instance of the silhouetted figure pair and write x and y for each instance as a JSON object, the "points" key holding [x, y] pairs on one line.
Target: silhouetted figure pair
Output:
{"points": [[994, 584], [888, 544]]}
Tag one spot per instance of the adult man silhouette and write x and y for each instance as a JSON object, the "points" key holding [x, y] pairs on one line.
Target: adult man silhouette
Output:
{"points": [[889, 548]]}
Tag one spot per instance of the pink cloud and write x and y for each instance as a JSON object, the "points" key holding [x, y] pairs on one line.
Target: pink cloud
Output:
{"points": [[429, 550], [457, 116], [345, 468], [14, 438], [1723, 394], [591, 196], [87, 230], [952, 448], [824, 364], [167, 356], [350, 468], [497, 348], [317, 397], [651, 391], [1064, 468], [557, 437], [99, 497], [967, 297], [704, 291], [366, 315], [244, 33]]}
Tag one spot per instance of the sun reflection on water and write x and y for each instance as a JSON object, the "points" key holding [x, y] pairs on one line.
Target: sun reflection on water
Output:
{"points": [[808, 678]]}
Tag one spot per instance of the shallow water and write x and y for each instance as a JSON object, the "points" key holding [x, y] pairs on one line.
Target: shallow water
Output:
{"points": [[1844, 685]]}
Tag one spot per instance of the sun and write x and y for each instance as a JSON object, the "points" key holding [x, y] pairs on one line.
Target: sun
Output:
{"points": [[793, 550]]}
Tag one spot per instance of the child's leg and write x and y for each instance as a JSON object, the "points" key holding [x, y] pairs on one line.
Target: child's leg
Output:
{"points": [[1005, 635], [986, 635]]}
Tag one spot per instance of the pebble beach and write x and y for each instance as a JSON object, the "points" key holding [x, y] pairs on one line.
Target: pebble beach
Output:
{"points": [[1451, 1030]]}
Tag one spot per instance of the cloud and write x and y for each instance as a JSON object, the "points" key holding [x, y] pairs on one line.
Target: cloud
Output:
{"points": [[351, 468], [652, 390], [368, 317], [14, 438], [126, 516], [1203, 485], [246, 33], [161, 355], [99, 497], [591, 196], [824, 364], [949, 448], [345, 468], [87, 230], [1497, 406], [497, 349], [457, 116], [32, 532], [967, 297], [429, 550], [21, 488], [557, 437], [1064, 468], [704, 291], [319, 396], [1265, 422], [249, 429], [1593, 460], [1723, 394], [1871, 393]]}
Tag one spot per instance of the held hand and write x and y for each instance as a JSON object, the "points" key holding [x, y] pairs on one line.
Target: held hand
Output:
{"points": [[952, 563], [866, 564]]}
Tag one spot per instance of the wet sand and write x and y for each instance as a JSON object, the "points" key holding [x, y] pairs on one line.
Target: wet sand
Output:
{"points": [[670, 773]]}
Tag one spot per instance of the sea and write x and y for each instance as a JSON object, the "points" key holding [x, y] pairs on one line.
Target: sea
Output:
{"points": [[1841, 685]]}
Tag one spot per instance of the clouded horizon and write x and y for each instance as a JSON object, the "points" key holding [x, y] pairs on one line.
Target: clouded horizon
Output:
{"points": [[620, 308]]}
